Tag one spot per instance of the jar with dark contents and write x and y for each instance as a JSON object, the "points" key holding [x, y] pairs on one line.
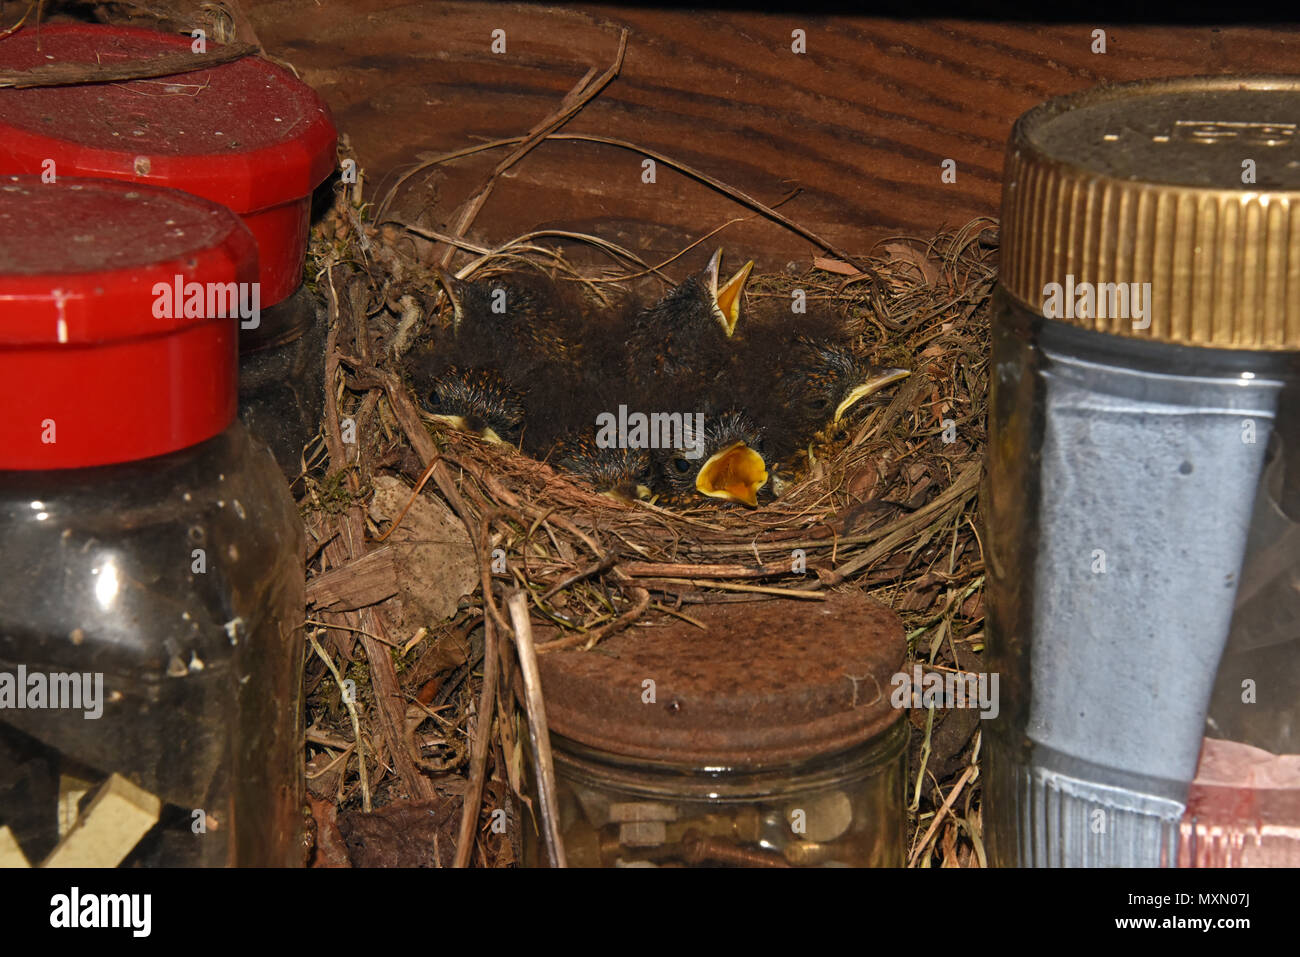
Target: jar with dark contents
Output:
{"points": [[151, 578], [768, 739], [246, 134], [1144, 341]]}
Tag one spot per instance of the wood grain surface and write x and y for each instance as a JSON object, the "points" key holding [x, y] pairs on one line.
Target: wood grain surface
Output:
{"points": [[858, 125]]}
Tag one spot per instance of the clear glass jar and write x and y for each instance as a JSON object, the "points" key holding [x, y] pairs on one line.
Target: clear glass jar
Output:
{"points": [[1118, 497], [764, 736], [151, 558], [840, 810], [201, 670], [282, 379]]}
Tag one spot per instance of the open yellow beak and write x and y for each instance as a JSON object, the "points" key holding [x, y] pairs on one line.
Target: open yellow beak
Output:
{"points": [[727, 298], [735, 474], [880, 380]]}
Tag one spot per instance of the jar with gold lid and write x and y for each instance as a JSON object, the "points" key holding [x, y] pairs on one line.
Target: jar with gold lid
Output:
{"points": [[1145, 336], [768, 739]]}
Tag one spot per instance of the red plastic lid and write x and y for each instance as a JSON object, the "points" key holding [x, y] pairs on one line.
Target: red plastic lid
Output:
{"points": [[247, 134], [108, 349]]}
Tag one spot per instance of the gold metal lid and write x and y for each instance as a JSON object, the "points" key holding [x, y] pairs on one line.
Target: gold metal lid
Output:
{"points": [[1166, 210]]}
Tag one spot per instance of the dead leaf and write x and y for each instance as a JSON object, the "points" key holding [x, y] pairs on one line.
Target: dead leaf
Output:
{"points": [[432, 556], [906, 253], [330, 849], [403, 834], [835, 266]]}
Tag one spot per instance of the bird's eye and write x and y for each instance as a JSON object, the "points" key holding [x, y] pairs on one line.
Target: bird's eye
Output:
{"points": [[818, 403], [681, 465], [434, 399]]}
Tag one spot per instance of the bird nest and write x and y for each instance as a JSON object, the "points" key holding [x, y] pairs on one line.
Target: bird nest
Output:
{"points": [[884, 504]]}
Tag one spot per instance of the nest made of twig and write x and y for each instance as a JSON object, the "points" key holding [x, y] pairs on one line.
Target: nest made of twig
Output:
{"points": [[886, 505]]}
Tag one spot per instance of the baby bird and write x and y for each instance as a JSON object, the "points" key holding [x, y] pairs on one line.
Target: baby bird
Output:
{"points": [[475, 400], [621, 473], [821, 383], [682, 337], [518, 316], [797, 374], [725, 463], [506, 361]]}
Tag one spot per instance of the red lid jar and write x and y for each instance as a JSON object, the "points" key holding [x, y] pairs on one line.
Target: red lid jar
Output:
{"points": [[248, 135], [103, 360]]}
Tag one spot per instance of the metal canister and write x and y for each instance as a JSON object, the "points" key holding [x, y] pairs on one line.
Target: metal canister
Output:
{"points": [[1145, 329]]}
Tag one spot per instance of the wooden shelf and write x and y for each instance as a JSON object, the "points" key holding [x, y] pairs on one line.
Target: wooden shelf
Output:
{"points": [[860, 123]]}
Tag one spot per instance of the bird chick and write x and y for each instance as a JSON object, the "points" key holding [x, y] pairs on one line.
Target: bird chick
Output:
{"points": [[523, 329], [520, 317], [726, 462], [798, 374], [824, 380], [475, 400], [621, 473], [682, 333]]}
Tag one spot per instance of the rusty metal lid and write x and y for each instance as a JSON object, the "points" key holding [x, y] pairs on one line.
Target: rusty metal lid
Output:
{"points": [[765, 683], [1164, 209]]}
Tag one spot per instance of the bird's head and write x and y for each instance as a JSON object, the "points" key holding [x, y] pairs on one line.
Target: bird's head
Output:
{"points": [[826, 380], [725, 462], [620, 473], [478, 401], [700, 302], [490, 305]]}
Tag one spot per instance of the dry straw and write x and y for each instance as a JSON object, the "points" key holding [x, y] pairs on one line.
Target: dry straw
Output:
{"points": [[885, 506]]}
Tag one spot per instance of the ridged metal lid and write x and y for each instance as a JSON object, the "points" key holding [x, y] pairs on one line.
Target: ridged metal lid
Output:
{"points": [[762, 684], [1190, 184]]}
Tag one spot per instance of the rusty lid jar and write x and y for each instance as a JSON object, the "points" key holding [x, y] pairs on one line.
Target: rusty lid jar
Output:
{"points": [[763, 684], [247, 134]]}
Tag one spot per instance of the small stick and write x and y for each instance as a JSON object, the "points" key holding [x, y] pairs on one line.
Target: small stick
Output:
{"points": [[352, 713], [517, 604], [572, 104], [26, 13], [661, 569], [947, 805], [479, 747], [76, 74], [589, 639], [736, 586], [712, 182], [595, 568]]}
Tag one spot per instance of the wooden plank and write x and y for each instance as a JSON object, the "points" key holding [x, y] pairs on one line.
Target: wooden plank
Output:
{"points": [[860, 123], [364, 581], [72, 788]]}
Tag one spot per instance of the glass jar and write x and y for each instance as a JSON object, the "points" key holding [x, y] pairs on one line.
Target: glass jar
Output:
{"points": [[151, 576], [841, 810], [282, 379], [1144, 335], [747, 744], [246, 134]]}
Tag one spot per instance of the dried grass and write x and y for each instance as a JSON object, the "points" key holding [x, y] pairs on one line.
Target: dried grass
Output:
{"points": [[887, 507]]}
